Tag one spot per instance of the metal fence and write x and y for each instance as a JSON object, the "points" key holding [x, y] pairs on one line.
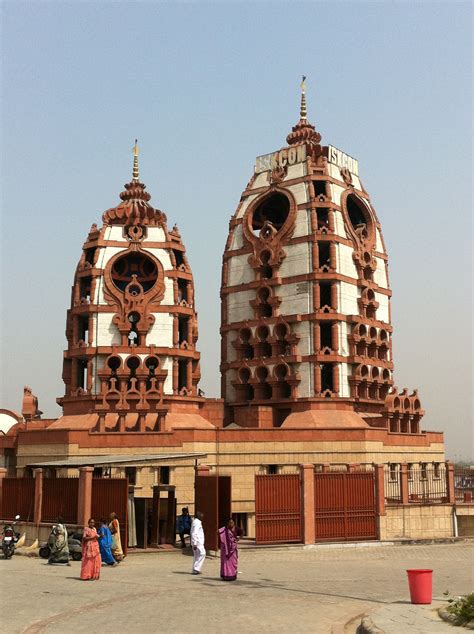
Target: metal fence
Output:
{"points": [[60, 499], [18, 498], [426, 483], [464, 484]]}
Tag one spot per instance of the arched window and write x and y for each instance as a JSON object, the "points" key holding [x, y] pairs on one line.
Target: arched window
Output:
{"points": [[274, 209]]}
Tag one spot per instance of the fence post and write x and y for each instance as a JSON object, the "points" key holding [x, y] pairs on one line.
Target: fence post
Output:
{"points": [[307, 494], [404, 483], [3, 473], [450, 482], [38, 496], [379, 489], [84, 495]]}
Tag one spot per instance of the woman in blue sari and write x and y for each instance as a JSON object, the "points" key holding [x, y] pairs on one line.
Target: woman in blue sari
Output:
{"points": [[105, 543]]}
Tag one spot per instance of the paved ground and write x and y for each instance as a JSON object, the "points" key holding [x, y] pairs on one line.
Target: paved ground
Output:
{"points": [[278, 590]]}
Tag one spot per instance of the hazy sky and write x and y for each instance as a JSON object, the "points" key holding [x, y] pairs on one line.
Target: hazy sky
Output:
{"points": [[206, 88]]}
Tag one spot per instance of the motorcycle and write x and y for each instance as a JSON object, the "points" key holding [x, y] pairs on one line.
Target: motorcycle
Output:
{"points": [[74, 543], [9, 539]]}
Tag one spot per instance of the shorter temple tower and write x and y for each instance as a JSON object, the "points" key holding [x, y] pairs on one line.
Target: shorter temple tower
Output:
{"points": [[132, 326], [306, 326]]}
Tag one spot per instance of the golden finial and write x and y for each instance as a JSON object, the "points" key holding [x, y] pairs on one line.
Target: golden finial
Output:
{"points": [[135, 162], [303, 111]]}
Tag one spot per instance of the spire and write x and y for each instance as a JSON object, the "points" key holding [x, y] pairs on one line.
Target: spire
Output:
{"points": [[303, 131], [135, 174], [303, 111]]}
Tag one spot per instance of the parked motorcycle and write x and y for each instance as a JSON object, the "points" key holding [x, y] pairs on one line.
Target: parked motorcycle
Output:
{"points": [[9, 539], [74, 543]]}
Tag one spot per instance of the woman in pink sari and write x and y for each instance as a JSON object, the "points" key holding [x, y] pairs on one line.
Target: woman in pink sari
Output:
{"points": [[91, 560], [229, 554]]}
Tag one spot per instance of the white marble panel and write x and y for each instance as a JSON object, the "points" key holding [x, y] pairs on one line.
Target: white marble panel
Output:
{"points": [[339, 228], [305, 386], [297, 260], [155, 234], [116, 234], [239, 270], [378, 242], [167, 364], [161, 333], [380, 274], [168, 299], [299, 193], [295, 171], [231, 336], [304, 330], [163, 256], [336, 191], [105, 332], [382, 310], [345, 262], [245, 204], [237, 238], [261, 180], [302, 223], [296, 298], [348, 299], [238, 307], [344, 386], [343, 342]]}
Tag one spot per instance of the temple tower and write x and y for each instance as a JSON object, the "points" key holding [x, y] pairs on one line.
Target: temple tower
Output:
{"points": [[306, 327], [132, 326]]}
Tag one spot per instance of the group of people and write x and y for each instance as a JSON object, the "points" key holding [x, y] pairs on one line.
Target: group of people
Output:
{"points": [[102, 546], [229, 536]]}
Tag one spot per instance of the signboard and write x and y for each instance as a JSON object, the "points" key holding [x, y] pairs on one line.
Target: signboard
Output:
{"points": [[339, 158], [288, 156]]}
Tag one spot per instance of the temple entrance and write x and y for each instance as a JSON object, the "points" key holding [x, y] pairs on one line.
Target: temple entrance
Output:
{"points": [[212, 496], [155, 518]]}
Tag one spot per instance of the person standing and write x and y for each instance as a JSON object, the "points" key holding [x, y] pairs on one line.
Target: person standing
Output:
{"points": [[183, 525], [229, 553], [105, 543], [197, 542], [116, 547], [91, 561], [59, 552]]}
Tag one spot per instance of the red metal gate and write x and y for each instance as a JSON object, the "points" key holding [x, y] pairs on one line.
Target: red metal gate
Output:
{"points": [[278, 508], [345, 506], [18, 498], [111, 494], [212, 496]]}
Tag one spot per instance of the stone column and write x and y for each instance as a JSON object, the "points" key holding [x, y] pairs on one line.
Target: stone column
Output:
{"points": [[379, 489], [335, 378], [335, 337], [450, 482], [334, 302], [38, 496], [307, 498], [84, 496], [3, 474], [404, 483]]}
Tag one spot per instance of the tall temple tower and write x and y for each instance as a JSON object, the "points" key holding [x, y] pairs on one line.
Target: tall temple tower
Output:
{"points": [[132, 326], [306, 327]]}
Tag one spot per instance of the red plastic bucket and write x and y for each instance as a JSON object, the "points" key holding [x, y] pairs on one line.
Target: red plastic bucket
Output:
{"points": [[421, 585]]}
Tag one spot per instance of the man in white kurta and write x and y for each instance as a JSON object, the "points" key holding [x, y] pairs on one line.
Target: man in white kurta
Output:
{"points": [[197, 542]]}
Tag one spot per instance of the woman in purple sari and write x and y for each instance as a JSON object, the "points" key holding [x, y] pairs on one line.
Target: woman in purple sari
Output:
{"points": [[229, 555]]}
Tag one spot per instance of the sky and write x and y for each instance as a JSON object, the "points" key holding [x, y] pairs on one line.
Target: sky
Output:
{"points": [[207, 87]]}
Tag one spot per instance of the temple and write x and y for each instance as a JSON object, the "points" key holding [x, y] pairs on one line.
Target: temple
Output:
{"points": [[307, 363]]}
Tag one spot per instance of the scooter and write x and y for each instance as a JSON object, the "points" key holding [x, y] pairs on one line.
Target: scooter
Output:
{"points": [[9, 539], [74, 543]]}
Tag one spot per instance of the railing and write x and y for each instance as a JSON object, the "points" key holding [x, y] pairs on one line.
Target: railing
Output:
{"points": [[464, 485], [425, 483]]}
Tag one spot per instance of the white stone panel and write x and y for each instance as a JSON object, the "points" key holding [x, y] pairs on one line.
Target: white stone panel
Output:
{"points": [[339, 228], [231, 351], [348, 299], [299, 192], [245, 204], [239, 270], [107, 254], [334, 171], [345, 262], [356, 182], [116, 234], [161, 333], [343, 342], [305, 386], [296, 298], [105, 332], [336, 191], [155, 234], [167, 364], [344, 387], [261, 180], [163, 256], [302, 223], [380, 275], [98, 363], [297, 260], [295, 171], [382, 310], [304, 330], [231, 375], [237, 238], [378, 241], [168, 299], [238, 307]]}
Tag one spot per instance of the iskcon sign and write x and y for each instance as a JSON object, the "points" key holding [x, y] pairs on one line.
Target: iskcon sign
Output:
{"points": [[297, 154]]}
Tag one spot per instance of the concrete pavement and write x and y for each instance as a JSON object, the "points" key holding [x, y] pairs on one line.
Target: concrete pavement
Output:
{"points": [[278, 590]]}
